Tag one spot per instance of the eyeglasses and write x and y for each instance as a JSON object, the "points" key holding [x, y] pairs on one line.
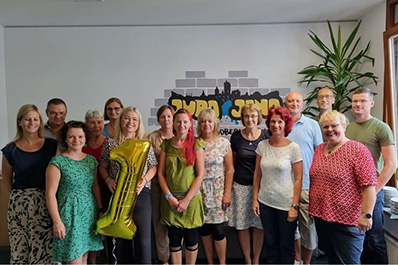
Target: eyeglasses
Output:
{"points": [[253, 116], [111, 109], [325, 96], [333, 126]]}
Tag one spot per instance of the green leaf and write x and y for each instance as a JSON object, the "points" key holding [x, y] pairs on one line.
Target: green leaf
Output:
{"points": [[331, 34], [351, 38], [337, 68]]}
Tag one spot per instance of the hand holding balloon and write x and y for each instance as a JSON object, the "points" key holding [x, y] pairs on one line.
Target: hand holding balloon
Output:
{"points": [[141, 185], [118, 220], [111, 183]]}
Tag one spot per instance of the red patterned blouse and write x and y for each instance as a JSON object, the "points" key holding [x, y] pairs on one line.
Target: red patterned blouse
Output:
{"points": [[336, 182]]}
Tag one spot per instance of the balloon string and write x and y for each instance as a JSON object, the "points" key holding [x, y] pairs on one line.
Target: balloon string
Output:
{"points": [[113, 249]]}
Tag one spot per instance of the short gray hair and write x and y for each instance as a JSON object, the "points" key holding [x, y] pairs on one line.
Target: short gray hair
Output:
{"points": [[364, 90], [92, 113]]}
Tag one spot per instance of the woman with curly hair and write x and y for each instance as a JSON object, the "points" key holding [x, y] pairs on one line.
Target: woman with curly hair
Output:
{"points": [[73, 198], [277, 186]]}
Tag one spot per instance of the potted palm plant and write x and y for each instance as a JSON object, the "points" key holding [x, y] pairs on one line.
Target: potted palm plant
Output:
{"points": [[338, 69]]}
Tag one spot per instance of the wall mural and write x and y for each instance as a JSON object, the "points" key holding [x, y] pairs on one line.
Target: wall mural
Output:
{"points": [[226, 96]]}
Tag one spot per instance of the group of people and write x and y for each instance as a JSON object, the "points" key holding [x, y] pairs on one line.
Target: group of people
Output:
{"points": [[289, 186]]}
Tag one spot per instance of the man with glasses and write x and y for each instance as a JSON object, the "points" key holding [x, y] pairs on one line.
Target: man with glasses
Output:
{"points": [[378, 138], [325, 101], [307, 134], [56, 113]]}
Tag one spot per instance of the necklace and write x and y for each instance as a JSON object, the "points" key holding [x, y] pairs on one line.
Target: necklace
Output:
{"points": [[250, 138], [330, 150]]}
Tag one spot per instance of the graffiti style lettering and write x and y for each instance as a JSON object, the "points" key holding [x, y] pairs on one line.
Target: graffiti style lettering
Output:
{"points": [[225, 104], [195, 106], [227, 131]]}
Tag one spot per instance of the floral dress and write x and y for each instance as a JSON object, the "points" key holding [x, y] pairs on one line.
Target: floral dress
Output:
{"points": [[214, 178]]}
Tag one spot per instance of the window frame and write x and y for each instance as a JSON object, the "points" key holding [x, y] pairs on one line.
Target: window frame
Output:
{"points": [[390, 91]]}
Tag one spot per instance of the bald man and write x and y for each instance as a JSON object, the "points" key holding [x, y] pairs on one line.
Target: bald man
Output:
{"points": [[325, 101], [307, 134]]}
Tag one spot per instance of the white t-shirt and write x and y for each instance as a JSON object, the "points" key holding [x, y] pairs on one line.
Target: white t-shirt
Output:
{"points": [[277, 181]]}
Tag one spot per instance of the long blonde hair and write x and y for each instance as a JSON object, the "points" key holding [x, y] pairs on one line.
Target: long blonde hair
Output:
{"points": [[21, 113], [139, 134]]}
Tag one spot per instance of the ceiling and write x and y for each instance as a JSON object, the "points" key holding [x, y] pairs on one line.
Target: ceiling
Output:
{"points": [[33, 13]]}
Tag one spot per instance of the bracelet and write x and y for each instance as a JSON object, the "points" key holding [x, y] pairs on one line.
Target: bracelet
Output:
{"points": [[146, 181], [106, 178], [168, 196]]}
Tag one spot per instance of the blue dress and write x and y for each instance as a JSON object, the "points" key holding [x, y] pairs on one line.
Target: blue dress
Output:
{"points": [[77, 208]]}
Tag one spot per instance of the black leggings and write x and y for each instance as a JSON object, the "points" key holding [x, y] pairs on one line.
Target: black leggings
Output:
{"points": [[176, 234], [217, 230]]}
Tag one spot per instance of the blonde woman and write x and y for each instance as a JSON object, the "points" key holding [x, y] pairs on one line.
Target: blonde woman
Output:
{"points": [[24, 164], [342, 192], [130, 126], [216, 185]]}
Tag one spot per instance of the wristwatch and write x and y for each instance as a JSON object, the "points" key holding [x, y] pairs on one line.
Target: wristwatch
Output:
{"points": [[367, 215], [296, 206]]}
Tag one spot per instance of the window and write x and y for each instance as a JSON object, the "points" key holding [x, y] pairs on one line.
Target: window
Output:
{"points": [[390, 112]]}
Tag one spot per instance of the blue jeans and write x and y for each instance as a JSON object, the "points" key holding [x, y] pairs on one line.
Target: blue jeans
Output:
{"points": [[375, 248], [343, 243], [278, 235]]}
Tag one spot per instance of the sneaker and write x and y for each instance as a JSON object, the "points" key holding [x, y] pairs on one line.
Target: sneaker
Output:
{"points": [[296, 262]]}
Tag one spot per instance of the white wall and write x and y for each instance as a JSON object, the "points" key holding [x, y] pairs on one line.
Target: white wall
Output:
{"points": [[372, 28], [3, 95], [87, 65]]}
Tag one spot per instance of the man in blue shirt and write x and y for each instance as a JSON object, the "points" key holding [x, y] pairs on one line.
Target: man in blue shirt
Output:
{"points": [[307, 134]]}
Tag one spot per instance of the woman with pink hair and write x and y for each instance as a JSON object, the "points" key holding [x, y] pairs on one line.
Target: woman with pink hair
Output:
{"points": [[180, 172]]}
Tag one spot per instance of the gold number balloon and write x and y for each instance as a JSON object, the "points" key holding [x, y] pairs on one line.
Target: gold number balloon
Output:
{"points": [[118, 219]]}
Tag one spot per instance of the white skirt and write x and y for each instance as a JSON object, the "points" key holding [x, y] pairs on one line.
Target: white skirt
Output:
{"points": [[241, 215]]}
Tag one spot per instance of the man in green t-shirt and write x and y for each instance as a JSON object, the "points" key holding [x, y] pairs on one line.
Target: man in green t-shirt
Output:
{"points": [[378, 137]]}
